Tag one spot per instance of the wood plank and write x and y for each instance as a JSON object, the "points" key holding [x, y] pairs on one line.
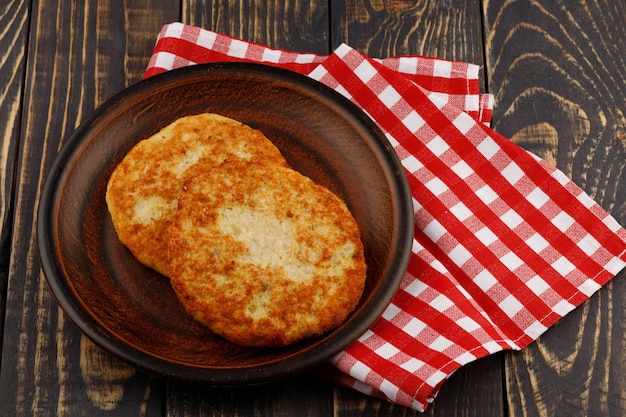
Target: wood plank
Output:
{"points": [[14, 20], [558, 71], [300, 25], [442, 29], [294, 25], [301, 395], [449, 30], [78, 56]]}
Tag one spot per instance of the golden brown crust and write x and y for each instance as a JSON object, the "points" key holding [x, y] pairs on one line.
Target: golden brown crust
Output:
{"points": [[143, 190], [264, 256]]}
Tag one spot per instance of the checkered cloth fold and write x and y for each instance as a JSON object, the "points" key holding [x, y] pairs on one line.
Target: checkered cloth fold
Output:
{"points": [[504, 245]]}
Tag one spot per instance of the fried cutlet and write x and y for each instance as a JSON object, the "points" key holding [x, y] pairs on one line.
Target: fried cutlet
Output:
{"points": [[263, 256], [143, 190]]}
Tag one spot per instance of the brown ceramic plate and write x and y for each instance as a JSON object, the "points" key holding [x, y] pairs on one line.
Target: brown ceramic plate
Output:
{"points": [[130, 310]]}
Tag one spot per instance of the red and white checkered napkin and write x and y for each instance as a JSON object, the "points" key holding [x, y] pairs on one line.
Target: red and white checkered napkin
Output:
{"points": [[505, 244]]}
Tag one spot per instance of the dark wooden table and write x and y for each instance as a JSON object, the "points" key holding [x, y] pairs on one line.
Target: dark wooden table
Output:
{"points": [[557, 69]]}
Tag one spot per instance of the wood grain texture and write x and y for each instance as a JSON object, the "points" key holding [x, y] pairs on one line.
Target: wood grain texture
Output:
{"points": [[445, 29], [449, 29], [558, 74], [301, 395], [300, 25], [556, 67], [13, 38], [78, 55]]}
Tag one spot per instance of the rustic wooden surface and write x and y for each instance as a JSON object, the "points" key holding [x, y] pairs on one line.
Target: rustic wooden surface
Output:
{"points": [[557, 71], [556, 67]]}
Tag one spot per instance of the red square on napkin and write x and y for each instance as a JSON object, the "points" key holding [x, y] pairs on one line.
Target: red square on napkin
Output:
{"points": [[505, 244]]}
